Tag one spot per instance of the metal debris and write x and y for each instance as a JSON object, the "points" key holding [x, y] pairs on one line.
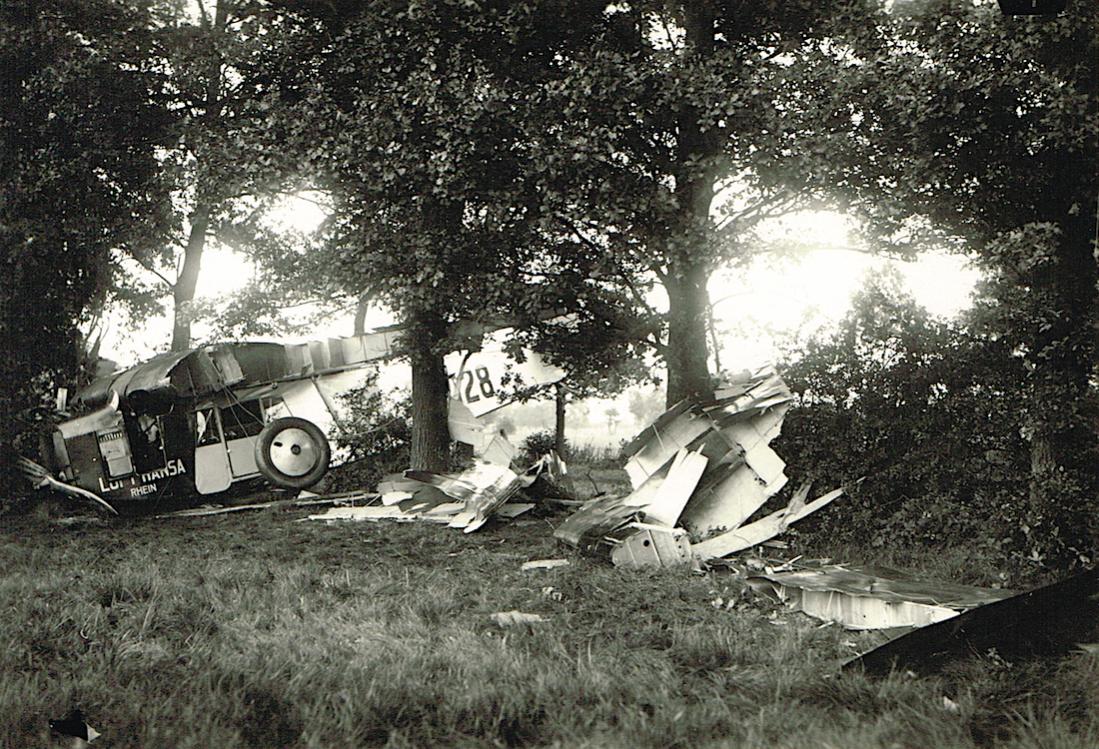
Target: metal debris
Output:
{"points": [[706, 468], [870, 597], [1047, 621], [463, 500]]}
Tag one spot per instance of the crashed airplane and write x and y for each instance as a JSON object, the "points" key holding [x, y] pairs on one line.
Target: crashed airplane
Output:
{"points": [[187, 424]]}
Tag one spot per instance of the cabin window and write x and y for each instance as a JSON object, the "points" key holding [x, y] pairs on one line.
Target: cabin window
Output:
{"points": [[206, 427], [242, 420], [147, 441]]}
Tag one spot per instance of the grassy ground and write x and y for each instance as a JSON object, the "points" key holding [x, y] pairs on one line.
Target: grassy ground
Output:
{"points": [[253, 629]]}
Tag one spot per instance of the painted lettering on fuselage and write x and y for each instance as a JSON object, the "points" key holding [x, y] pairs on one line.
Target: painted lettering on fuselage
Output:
{"points": [[143, 484]]}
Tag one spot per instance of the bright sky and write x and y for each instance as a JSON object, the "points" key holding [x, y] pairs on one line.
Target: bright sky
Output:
{"points": [[778, 298]]}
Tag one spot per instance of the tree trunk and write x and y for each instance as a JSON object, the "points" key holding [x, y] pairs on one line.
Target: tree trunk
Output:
{"points": [[361, 308], [187, 283], [184, 292], [559, 444], [430, 434], [687, 354], [1064, 476]]}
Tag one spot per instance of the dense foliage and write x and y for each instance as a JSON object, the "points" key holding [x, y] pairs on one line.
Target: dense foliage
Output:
{"points": [[922, 420], [373, 438], [968, 127], [82, 115]]}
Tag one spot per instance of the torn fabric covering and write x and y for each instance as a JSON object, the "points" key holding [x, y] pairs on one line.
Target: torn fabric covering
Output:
{"points": [[488, 444], [707, 468], [199, 371], [1048, 621], [871, 597]]}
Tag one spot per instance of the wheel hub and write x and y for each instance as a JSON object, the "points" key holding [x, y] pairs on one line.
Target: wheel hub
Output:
{"points": [[294, 452]]}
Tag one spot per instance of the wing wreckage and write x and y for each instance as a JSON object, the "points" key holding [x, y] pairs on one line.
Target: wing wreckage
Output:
{"points": [[698, 473]]}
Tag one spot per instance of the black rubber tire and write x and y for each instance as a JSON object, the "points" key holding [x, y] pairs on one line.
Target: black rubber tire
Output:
{"points": [[267, 439]]}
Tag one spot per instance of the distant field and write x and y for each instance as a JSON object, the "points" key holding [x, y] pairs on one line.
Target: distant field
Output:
{"points": [[255, 630]]}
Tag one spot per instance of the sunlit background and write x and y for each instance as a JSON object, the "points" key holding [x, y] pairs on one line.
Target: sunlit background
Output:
{"points": [[759, 308]]}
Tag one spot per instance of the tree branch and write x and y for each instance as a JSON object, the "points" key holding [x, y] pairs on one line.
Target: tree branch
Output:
{"points": [[637, 295], [773, 206], [151, 269], [203, 15], [668, 33]]}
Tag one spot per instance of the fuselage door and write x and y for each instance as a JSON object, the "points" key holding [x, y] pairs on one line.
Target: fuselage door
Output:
{"points": [[212, 472]]}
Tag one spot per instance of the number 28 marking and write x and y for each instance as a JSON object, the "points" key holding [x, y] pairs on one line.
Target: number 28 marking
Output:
{"points": [[478, 377]]}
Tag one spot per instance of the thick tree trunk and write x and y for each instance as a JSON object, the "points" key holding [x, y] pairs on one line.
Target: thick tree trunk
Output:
{"points": [[430, 435], [1064, 475], [687, 354], [187, 283], [559, 443]]}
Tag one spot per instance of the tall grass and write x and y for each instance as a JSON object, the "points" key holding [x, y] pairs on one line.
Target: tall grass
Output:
{"points": [[255, 630]]}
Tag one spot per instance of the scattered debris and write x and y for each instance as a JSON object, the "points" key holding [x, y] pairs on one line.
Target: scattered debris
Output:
{"points": [[482, 488], [870, 597], [1049, 621], [543, 564], [312, 500], [74, 726], [516, 618], [464, 500], [706, 468]]}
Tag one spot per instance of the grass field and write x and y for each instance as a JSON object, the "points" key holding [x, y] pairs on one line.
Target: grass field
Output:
{"points": [[255, 630]]}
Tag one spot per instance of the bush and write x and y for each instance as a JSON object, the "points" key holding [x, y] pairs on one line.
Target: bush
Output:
{"points": [[538, 444], [594, 456], [377, 434], [923, 411]]}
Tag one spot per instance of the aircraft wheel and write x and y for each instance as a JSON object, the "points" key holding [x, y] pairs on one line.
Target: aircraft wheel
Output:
{"points": [[292, 453]]}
